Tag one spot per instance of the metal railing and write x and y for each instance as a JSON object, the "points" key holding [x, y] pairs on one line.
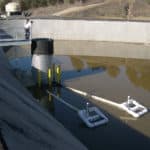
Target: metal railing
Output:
{"points": [[12, 33]]}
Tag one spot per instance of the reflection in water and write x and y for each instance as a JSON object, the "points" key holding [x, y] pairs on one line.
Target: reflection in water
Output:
{"points": [[113, 71], [77, 63], [95, 63], [137, 70], [44, 99], [139, 73], [111, 67]]}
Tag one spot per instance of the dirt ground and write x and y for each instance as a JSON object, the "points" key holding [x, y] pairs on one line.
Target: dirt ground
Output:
{"points": [[98, 9]]}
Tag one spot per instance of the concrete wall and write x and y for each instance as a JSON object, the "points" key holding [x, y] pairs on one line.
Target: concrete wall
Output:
{"points": [[116, 31]]}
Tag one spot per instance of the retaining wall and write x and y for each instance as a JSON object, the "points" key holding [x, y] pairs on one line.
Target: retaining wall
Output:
{"points": [[60, 29], [115, 31]]}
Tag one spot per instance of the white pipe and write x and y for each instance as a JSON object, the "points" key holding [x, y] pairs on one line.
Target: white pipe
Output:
{"points": [[95, 97], [77, 91], [120, 106], [105, 101]]}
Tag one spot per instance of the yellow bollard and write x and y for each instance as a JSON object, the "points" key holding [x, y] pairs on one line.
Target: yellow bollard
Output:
{"points": [[49, 75], [50, 97], [58, 91], [39, 80], [53, 72], [58, 74]]}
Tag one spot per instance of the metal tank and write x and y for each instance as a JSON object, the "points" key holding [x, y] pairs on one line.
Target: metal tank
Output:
{"points": [[42, 55]]}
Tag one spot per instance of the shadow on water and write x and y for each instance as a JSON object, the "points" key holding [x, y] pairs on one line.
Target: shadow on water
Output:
{"points": [[137, 70]]}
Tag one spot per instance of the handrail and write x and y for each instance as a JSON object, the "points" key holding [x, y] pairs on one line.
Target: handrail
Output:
{"points": [[12, 33]]}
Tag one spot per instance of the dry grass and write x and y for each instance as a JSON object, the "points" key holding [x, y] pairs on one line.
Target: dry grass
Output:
{"points": [[48, 11], [112, 9], [116, 9]]}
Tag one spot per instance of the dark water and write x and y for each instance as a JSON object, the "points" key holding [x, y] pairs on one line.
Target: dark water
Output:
{"points": [[111, 78]]}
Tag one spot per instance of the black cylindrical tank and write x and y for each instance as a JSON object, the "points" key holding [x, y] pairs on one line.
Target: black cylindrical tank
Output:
{"points": [[43, 46]]}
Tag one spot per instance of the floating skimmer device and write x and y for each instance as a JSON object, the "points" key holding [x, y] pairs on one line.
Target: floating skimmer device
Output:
{"points": [[131, 106], [91, 116], [134, 108]]}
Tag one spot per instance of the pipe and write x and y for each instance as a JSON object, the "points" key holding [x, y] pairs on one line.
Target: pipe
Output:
{"points": [[95, 97]]}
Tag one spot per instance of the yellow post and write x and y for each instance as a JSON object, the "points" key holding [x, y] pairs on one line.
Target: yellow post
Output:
{"points": [[39, 78], [58, 74], [58, 91], [53, 72], [49, 75], [50, 97]]}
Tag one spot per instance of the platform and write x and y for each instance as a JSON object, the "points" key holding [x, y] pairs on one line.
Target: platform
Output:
{"points": [[13, 42]]}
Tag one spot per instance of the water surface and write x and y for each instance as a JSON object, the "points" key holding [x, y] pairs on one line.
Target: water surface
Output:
{"points": [[108, 77]]}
